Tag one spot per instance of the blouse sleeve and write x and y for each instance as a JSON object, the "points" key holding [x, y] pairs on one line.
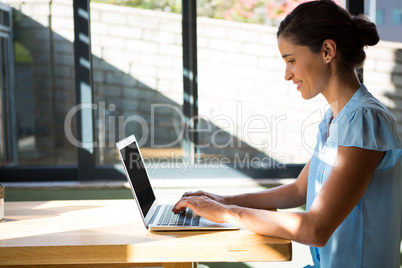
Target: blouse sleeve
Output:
{"points": [[370, 129]]}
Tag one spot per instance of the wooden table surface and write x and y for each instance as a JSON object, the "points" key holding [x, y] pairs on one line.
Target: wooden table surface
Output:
{"points": [[110, 233]]}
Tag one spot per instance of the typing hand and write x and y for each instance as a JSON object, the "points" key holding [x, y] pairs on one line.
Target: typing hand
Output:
{"points": [[218, 198], [203, 206]]}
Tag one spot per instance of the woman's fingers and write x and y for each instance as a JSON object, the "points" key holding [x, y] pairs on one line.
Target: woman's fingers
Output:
{"points": [[202, 206], [185, 201]]}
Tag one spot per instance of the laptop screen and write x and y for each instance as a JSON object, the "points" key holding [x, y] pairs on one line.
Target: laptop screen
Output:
{"points": [[138, 176]]}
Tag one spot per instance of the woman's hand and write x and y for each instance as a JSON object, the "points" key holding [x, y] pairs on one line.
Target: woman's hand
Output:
{"points": [[203, 206], [218, 198]]}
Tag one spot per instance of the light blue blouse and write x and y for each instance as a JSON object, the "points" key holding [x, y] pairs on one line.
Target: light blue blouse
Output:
{"points": [[370, 235]]}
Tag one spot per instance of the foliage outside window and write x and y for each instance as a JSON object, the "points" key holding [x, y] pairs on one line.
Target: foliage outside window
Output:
{"points": [[269, 12]]}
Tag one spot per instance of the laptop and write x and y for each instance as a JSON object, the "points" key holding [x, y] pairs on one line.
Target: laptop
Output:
{"points": [[157, 217]]}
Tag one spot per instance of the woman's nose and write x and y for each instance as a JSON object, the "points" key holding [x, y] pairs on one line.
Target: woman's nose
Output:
{"points": [[288, 74]]}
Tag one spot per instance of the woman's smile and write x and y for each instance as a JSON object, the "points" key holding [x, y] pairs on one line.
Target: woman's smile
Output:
{"points": [[298, 84]]}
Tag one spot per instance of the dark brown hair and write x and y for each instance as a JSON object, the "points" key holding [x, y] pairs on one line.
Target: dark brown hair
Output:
{"points": [[311, 23]]}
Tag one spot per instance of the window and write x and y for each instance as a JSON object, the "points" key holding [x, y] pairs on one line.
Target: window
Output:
{"points": [[380, 17], [396, 16], [44, 88], [84, 80], [247, 112], [137, 81]]}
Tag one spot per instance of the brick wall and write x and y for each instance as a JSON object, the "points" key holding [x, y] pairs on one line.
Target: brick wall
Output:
{"points": [[245, 105]]}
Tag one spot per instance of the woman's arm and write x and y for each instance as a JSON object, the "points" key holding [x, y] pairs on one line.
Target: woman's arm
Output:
{"points": [[338, 196], [285, 196]]}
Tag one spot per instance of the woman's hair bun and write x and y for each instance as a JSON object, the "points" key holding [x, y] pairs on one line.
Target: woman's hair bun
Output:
{"points": [[366, 30]]}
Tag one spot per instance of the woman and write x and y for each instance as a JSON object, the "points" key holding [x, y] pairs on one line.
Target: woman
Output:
{"points": [[352, 184]]}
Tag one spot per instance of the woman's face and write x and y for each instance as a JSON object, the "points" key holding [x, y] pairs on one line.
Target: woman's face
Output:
{"points": [[307, 70]]}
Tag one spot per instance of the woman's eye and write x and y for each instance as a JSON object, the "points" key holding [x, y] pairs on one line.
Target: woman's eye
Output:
{"points": [[291, 61]]}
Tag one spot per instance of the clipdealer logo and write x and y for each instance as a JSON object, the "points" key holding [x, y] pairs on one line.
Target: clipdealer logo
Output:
{"points": [[241, 130]]}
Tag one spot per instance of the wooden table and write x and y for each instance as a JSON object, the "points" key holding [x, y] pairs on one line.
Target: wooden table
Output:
{"points": [[109, 233]]}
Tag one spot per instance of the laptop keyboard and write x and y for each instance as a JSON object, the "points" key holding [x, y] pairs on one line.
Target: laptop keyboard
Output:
{"points": [[184, 218]]}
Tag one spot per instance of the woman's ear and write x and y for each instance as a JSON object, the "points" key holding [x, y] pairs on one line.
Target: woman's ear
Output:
{"points": [[329, 50]]}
